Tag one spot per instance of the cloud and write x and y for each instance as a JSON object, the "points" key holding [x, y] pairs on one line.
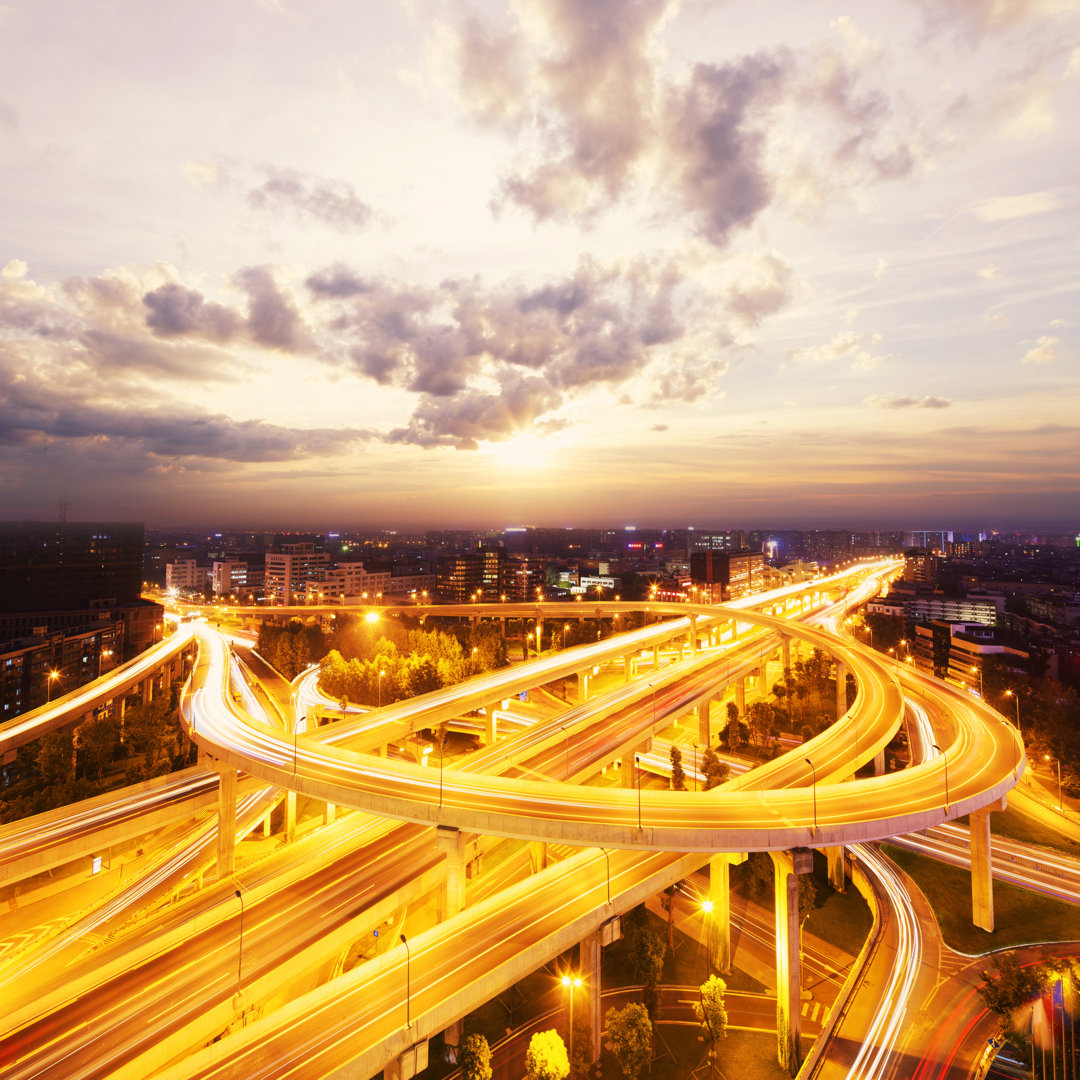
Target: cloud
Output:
{"points": [[478, 416], [175, 310], [491, 74], [879, 268], [1008, 207], [989, 272], [201, 174], [866, 361], [1043, 350], [980, 17], [878, 401], [338, 282], [659, 427], [310, 198], [273, 319], [843, 344]]}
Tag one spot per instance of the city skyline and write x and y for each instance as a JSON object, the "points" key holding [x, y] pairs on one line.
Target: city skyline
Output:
{"points": [[553, 263]]}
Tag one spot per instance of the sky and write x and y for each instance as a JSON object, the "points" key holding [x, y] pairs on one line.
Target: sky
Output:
{"points": [[430, 263]]}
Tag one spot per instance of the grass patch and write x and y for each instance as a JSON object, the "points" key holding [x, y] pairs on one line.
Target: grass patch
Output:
{"points": [[1020, 917], [842, 919], [743, 1055], [1017, 826]]}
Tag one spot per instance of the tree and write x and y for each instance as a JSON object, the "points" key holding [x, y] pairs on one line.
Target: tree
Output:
{"points": [[807, 897], [630, 1031], [711, 1014], [546, 1057], [759, 718], [678, 776], [646, 950], [780, 692], [732, 734], [716, 771], [474, 1057]]}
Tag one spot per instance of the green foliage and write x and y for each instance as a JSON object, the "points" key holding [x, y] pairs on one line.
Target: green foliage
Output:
{"points": [[474, 1058], [292, 648], [760, 718], [710, 1011], [546, 1057], [716, 771], [807, 896], [645, 949], [678, 775], [630, 1031]]}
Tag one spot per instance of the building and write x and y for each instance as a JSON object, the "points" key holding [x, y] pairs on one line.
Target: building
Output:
{"points": [[459, 578], [185, 574], [238, 579], [724, 540], [957, 650], [289, 570], [349, 583], [721, 576], [70, 603], [920, 565], [922, 606]]}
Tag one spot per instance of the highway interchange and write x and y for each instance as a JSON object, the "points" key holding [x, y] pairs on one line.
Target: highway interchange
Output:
{"points": [[141, 999]]}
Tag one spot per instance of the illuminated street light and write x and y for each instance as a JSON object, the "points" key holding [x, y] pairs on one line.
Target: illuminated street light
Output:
{"points": [[573, 982], [1016, 699], [53, 676], [295, 732], [1050, 757], [607, 860], [408, 977], [101, 656], [637, 775]]}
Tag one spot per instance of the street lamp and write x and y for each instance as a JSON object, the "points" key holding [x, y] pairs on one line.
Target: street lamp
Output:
{"points": [[637, 776], [811, 764], [695, 766], [408, 976], [1016, 700], [295, 732], [53, 676], [573, 982], [1050, 757], [101, 656], [240, 955], [979, 670], [934, 746], [607, 860]]}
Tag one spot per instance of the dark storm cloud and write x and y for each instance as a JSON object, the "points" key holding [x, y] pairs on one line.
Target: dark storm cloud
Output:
{"points": [[311, 198], [175, 311]]}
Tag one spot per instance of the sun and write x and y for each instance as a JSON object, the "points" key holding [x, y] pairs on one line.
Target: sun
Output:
{"points": [[523, 451]]}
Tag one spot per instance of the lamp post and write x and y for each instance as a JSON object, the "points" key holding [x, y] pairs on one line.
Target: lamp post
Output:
{"points": [[637, 776], [295, 732], [814, 771], [695, 766], [607, 860], [978, 669], [1050, 757], [53, 676], [572, 982], [1016, 700], [934, 746], [442, 755], [408, 976], [101, 655], [240, 954]]}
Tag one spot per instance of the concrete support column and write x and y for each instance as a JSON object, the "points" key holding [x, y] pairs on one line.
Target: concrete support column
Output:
{"points": [[702, 711], [147, 690], [656, 657], [628, 667], [452, 1035], [982, 880], [226, 858], [785, 651], [841, 689], [491, 726], [380, 751], [692, 636], [451, 843], [835, 855], [266, 826], [583, 685], [628, 769], [879, 762], [718, 921], [590, 953], [740, 696], [502, 628], [537, 855], [763, 678], [290, 816], [329, 814], [787, 865]]}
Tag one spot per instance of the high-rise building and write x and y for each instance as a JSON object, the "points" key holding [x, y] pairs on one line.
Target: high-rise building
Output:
{"points": [[289, 570], [720, 576]]}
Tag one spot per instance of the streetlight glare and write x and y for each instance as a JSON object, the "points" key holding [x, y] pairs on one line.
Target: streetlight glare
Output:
{"points": [[707, 906], [372, 616]]}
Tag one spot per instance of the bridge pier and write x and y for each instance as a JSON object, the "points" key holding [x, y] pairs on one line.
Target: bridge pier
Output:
{"points": [[982, 877], [718, 921], [835, 856], [763, 678], [629, 779], [329, 814], [583, 685], [785, 651], [702, 711], [290, 816], [491, 726], [879, 762], [589, 955], [451, 843], [537, 856], [740, 695], [146, 688], [628, 667], [787, 865], [691, 636], [226, 852]]}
